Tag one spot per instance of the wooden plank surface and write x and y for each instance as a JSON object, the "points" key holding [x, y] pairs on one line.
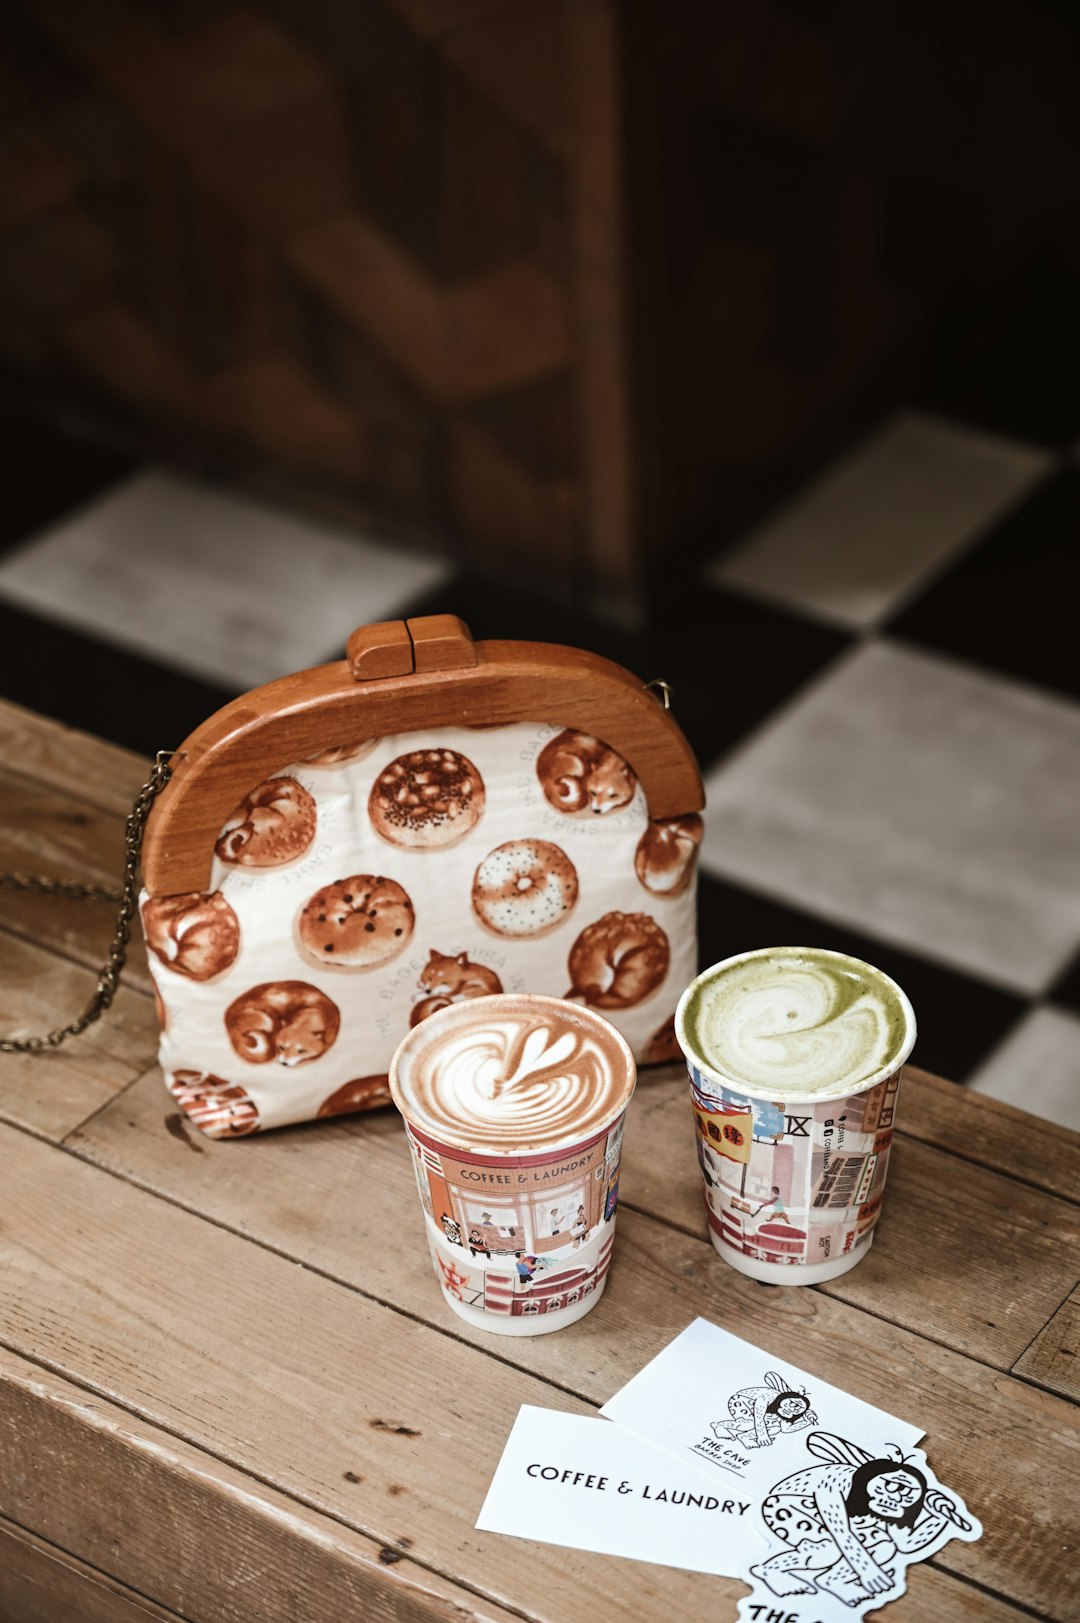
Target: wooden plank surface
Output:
{"points": [[74, 762], [233, 1344], [58, 831], [44, 831], [990, 1133], [218, 1545], [41, 1584], [978, 1298], [332, 1378], [358, 1182], [291, 1378], [963, 1254], [53, 1091], [1053, 1359]]}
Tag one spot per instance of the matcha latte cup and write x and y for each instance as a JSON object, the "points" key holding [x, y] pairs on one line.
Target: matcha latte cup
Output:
{"points": [[514, 1108], [794, 1055]]}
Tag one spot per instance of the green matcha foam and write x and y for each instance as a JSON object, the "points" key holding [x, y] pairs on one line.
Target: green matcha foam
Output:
{"points": [[796, 1021]]}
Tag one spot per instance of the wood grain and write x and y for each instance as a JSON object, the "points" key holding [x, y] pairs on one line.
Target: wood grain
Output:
{"points": [[931, 1267], [288, 719], [53, 1091], [994, 1134], [1053, 1359], [77, 763], [44, 832], [323, 1196], [441, 642], [39, 1584], [984, 1307], [232, 1344], [218, 1545], [600, 294], [52, 831], [291, 1378], [383, 649]]}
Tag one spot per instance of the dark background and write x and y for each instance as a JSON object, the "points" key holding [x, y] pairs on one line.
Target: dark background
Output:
{"points": [[569, 295], [567, 288]]}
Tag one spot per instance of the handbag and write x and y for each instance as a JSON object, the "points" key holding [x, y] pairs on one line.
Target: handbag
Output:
{"points": [[339, 853]]}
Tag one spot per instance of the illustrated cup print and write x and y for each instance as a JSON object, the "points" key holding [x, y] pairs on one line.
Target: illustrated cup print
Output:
{"points": [[514, 1111], [794, 1057]]}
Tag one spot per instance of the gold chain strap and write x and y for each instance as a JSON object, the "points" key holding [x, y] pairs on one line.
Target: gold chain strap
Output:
{"points": [[127, 896]]}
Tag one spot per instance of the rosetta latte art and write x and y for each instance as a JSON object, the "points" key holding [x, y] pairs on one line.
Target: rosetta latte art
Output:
{"points": [[515, 1077], [804, 1023]]}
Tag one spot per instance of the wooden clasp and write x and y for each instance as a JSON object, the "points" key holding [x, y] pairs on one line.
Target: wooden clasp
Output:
{"points": [[449, 682], [431, 642]]}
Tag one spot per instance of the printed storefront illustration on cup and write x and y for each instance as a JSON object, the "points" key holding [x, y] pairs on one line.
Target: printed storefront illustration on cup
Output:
{"points": [[516, 1239], [792, 1184], [795, 1056]]}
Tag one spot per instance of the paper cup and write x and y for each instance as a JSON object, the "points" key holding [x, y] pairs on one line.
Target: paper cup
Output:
{"points": [[521, 1242], [793, 1182]]}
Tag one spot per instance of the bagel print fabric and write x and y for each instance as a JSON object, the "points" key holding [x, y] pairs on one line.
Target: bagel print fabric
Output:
{"points": [[354, 893]]}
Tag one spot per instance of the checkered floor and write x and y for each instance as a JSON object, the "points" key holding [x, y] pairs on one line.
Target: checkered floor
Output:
{"points": [[881, 685]]}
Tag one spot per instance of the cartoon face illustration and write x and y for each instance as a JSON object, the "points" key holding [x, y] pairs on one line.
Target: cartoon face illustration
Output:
{"points": [[893, 1494], [849, 1523], [760, 1414]]}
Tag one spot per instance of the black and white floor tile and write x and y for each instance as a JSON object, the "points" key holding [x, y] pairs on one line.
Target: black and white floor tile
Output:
{"points": [[880, 682]]}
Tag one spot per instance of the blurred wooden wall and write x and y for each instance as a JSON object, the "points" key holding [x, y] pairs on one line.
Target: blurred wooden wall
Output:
{"points": [[368, 248], [560, 284]]}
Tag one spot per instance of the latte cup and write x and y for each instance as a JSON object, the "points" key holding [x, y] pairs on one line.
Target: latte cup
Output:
{"points": [[514, 1107], [795, 1056]]}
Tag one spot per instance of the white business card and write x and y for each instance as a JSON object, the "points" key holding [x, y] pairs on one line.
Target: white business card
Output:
{"points": [[718, 1403], [727, 1459], [581, 1482]]}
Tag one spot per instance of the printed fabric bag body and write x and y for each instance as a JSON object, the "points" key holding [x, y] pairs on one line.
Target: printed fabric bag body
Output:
{"points": [[341, 853]]}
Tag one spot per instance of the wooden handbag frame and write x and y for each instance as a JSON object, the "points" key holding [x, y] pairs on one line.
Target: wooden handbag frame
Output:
{"points": [[401, 676]]}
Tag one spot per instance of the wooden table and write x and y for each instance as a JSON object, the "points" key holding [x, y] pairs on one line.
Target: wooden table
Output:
{"points": [[229, 1388]]}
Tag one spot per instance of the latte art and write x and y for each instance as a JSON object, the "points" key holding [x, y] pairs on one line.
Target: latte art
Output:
{"points": [[800, 1022], [514, 1074]]}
